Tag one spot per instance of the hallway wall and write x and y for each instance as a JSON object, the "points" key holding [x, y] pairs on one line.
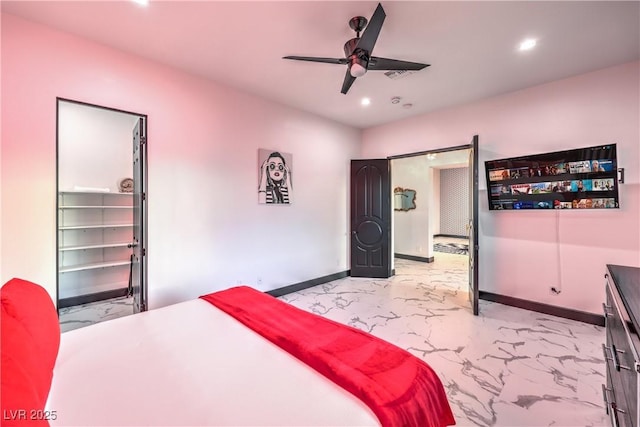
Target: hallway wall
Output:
{"points": [[454, 201]]}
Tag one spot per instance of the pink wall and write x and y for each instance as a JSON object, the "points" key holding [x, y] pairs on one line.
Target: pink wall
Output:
{"points": [[523, 254], [206, 229], [204, 137]]}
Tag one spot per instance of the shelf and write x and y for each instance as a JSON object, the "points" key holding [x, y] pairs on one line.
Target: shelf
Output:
{"points": [[95, 236], [95, 192], [82, 227], [96, 207], [100, 246], [93, 266]]}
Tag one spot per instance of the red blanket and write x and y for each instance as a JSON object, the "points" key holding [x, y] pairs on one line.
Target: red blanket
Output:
{"points": [[401, 389]]}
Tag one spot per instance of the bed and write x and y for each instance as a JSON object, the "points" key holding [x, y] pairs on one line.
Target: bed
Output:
{"points": [[208, 361]]}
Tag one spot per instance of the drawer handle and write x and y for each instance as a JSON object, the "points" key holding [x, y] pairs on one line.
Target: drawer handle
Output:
{"points": [[613, 413], [613, 352], [611, 407], [605, 398], [614, 357], [604, 352]]}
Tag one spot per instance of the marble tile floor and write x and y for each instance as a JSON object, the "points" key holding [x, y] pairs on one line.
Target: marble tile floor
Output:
{"points": [[505, 367], [87, 314]]}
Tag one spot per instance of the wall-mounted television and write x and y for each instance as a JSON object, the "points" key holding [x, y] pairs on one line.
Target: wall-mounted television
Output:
{"points": [[583, 178]]}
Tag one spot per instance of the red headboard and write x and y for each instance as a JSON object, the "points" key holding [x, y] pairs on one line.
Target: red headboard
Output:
{"points": [[29, 342]]}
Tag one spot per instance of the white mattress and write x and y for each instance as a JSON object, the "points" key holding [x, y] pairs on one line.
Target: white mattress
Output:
{"points": [[190, 364]]}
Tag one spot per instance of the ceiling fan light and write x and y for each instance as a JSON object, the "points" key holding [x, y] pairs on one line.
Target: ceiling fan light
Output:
{"points": [[357, 70]]}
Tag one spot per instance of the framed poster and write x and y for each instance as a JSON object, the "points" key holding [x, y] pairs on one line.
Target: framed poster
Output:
{"points": [[274, 172]]}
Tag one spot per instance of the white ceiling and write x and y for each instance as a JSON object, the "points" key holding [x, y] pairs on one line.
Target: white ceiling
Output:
{"points": [[471, 46]]}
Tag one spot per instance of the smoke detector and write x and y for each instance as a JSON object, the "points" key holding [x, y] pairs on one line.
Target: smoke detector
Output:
{"points": [[395, 100]]}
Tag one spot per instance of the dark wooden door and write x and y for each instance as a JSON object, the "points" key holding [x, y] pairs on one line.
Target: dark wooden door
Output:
{"points": [[474, 292], [370, 218], [138, 266]]}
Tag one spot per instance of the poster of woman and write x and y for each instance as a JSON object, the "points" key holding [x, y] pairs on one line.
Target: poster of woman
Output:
{"points": [[275, 177]]}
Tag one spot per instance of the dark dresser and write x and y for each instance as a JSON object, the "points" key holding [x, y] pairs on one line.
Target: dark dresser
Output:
{"points": [[622, 312]]}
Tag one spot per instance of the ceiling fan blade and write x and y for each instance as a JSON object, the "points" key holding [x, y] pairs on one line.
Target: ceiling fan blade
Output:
{"points": [[372, 30], [348, 81], [376, 63], [340, 61]]}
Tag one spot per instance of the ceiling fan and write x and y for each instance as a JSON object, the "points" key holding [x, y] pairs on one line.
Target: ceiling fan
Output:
{"points": [[358, 51]]}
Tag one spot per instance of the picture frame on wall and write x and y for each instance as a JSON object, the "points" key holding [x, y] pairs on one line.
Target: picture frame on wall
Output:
{"points": [[275, 177]]}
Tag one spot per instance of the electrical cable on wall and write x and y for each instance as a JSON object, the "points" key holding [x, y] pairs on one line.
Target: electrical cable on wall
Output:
{"points": [[558, 287]]}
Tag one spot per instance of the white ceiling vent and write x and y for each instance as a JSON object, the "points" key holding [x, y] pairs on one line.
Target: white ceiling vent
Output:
{"points": [[398, 74]]}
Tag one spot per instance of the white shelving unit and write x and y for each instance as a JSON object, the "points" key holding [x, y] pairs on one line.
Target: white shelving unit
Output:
{"points": [[95, 230]]}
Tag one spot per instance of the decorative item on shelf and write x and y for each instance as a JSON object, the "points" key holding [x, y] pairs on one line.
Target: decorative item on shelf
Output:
{"points": [[126, 185], [404, 199]]}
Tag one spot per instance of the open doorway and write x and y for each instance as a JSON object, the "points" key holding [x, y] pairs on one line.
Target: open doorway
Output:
{"points": [[436, 187], [101, 213], [435, 212]]}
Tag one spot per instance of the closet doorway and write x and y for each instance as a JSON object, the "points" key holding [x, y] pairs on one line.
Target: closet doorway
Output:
{"points": [[101, 213]]}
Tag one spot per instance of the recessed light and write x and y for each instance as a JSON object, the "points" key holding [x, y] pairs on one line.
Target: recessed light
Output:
{"points": [[365, 101], [528, 44], [141, 2]]}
